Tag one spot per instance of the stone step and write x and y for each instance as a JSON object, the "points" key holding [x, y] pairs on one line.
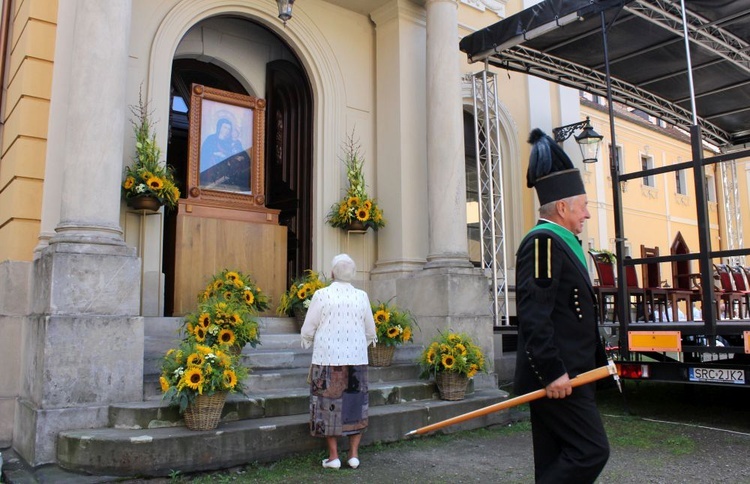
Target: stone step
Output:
{"points": [[156, 413], [162, 451]]}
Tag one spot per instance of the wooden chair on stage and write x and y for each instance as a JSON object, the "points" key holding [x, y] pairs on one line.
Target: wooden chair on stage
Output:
{"points": [[683, 277], [663, 297], [605, 290], [742, 285], [729, 296], [636, 294]]}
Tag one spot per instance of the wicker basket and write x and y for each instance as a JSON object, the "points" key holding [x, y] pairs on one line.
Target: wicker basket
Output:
{"points": [[452, 385], [205, 412], [381, 355], [299, 317]]}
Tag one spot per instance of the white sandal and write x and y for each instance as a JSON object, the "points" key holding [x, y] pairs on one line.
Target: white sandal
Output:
{"points": [[331, 464]]}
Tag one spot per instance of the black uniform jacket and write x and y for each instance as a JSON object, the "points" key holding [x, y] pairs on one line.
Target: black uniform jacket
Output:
{"points": [[557, 326]]}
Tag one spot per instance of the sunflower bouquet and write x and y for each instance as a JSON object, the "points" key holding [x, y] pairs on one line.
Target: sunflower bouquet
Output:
{"points": [[147, 176], [452, 352], [356, 205], [195, 369], [392, 325], [234, 286], [299, 295], [220, 322]]}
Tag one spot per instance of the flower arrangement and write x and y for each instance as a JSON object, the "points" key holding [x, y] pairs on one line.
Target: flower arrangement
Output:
{"points": [[300, 293], [392, 325], [234, 286], [195, 369], [221, 322], [147, 176], [452, 352], [356, 205]]}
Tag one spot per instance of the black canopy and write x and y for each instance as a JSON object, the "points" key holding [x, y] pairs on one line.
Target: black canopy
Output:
{"points": [[561, 41]]}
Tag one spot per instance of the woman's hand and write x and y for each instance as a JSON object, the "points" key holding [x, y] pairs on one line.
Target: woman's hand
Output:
{"points": [[559, 388]]}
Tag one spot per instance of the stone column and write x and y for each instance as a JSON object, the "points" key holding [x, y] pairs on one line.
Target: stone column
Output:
{"points": [[83, 342], [445, 142], [401, 148]]}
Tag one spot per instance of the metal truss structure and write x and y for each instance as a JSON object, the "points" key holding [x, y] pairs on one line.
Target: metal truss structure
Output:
{"points": [[490, 190], [733, 215]]}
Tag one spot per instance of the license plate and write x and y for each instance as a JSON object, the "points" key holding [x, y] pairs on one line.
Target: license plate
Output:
{"points": [[718, 375]]}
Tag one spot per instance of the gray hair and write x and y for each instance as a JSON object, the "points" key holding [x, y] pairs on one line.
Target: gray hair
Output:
{"points": [[549, 209], [343, 268]]}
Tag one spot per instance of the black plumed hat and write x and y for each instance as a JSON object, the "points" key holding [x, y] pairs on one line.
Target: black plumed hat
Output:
{"points": [[551, 172]]}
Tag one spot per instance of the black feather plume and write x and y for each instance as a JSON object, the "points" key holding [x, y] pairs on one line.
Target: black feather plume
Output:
{"points": [[546, 157]]}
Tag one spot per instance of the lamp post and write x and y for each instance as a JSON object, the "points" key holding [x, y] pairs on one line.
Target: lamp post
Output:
{"points": [[285, 9], [588, 141]]}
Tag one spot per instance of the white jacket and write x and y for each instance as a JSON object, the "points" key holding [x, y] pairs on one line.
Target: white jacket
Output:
{"points": [[339, 325]]}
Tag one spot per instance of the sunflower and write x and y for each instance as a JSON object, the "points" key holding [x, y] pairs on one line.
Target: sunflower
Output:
{"points": [[203, 349], [472, 370], [218, 284], [461, 349], [230, 379], [407, 334], [195, 359], [227, 337], [352, 202], [430, 356], [155, 183], [363, 214], [367, 204], [193, 378], [204, 319], [302, 292], [232, 276], [228, 296], [382, 316], [394, 331], [175, 193], [129, 182], [164, 383], [200, 333], [448, 361], [234, 319], [239, 283], [249, 297]]}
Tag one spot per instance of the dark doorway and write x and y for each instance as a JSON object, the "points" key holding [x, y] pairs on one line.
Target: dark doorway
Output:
{"points": [[289, 159]]}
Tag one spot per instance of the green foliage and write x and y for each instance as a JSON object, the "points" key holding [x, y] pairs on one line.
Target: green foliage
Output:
{"points": [[147, 175], [356, 205], [453, 352], [236, 287], [300, 293], [392, 325]]}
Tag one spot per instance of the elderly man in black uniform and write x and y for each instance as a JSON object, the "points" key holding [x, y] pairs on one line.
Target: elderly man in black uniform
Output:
{"points": [[558, 337]]}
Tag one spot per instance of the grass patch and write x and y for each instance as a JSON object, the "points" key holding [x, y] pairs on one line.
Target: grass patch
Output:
{"points": [[636, 433]]}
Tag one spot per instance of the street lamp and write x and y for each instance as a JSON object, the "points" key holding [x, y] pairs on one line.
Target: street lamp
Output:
{"points": [[285, 9], [588, 141]]}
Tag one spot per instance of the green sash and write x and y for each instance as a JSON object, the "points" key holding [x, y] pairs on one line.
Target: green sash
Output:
{"points": [[567, 236]]}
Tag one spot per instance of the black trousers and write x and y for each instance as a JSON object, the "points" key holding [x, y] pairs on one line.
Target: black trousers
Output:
{"points": [[570, 444]]}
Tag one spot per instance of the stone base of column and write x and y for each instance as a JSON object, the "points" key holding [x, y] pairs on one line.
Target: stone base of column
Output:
{"points": [[74, 366], [84, 278], [448, 260], [451, 299]]}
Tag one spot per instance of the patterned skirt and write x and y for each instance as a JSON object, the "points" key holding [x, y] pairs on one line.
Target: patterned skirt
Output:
{"points": [[338, 400]]}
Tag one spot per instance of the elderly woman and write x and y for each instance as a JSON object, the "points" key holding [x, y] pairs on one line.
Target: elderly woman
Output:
{"points": [[340, 326]]}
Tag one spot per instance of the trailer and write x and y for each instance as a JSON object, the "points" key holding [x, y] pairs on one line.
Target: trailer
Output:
{"points": [[686, 63]]}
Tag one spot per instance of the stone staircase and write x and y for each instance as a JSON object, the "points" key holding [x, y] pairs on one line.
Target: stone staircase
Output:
{"points": [[148, 438]]}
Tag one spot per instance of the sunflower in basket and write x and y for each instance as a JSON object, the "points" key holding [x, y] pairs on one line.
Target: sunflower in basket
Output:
{"points": [[452, 352], [392, 325], [234, 286], [299, 295], [195, 369], [218, 321]]}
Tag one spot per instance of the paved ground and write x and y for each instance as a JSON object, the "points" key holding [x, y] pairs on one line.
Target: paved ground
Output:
{"points": [[646, 448]]}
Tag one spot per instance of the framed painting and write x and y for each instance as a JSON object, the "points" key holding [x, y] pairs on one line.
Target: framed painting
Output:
{"points": [[226, 147]]}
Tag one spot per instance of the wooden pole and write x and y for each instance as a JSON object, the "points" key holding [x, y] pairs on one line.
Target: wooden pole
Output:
{"points": [[582, 379]]}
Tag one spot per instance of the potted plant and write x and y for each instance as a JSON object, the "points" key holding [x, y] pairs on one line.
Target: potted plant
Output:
{"points": [[197, 377], [452, 358], [356, 210], [393, 328], [234, 286], [148, 183], [296, 300]]}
